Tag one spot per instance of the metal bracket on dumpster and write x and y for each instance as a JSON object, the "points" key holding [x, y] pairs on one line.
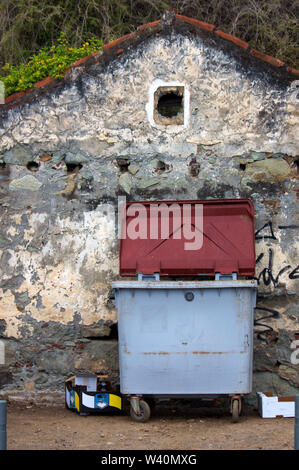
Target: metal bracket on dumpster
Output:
{"points": [[239, 399], [149, 277], [135, 404], [226, 277]]}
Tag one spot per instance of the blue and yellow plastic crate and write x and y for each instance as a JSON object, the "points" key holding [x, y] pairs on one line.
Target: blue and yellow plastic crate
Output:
{"points": [[103, 398]]}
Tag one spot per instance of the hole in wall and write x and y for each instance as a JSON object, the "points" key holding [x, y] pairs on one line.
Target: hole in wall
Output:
{"points": [[161, 167], [73, 167], [123, 164], [113, 331], [194, 167], [113, 334], [242, 166], [4, 172], [170, 104], [32, 166]]}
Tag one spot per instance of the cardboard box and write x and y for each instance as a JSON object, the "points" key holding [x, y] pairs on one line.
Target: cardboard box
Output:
{"points": [[270, 406], [89, 380]]}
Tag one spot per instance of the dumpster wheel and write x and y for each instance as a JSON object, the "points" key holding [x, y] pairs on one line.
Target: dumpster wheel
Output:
{"points": [[144, 414], [235, 410]]}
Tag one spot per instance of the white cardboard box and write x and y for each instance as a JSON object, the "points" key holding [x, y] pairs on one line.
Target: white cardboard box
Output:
{"points": [[270, 406], [90, 380]]}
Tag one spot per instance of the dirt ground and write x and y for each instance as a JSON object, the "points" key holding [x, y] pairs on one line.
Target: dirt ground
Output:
{"points": [[172, 426]]}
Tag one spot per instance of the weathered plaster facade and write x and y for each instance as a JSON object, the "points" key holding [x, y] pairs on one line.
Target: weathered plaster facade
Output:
{"points": [[93, 138]]}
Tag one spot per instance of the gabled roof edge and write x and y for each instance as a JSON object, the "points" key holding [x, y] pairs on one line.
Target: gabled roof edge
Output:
{"points": [[16, 98]]}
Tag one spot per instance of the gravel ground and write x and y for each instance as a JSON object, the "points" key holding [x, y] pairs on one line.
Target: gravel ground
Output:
{"points": [[172, 426]]}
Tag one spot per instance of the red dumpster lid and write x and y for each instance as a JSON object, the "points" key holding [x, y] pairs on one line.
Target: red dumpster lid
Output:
{"points": [[187, 238]]}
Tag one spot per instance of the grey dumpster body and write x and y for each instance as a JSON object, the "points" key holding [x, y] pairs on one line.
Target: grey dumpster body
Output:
{"points": [[185, 338]]}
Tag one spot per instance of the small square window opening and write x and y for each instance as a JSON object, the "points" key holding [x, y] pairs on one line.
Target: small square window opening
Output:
{"points": [[169, 105]]}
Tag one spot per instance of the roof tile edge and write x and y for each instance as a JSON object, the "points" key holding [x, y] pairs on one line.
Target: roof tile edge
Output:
{"points": [[17, 98]]}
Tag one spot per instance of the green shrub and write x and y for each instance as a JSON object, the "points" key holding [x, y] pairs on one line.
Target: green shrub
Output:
{"points": [[48, 62]]}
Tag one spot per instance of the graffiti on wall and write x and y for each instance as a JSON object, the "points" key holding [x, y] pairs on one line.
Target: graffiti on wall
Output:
{"points": [[268, 276]]}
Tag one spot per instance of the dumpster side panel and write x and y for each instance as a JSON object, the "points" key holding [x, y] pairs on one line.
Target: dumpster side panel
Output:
{"points": [[171, 345]]}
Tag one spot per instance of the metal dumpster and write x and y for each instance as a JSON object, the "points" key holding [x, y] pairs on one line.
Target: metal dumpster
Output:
{"points": [[190, 334]]}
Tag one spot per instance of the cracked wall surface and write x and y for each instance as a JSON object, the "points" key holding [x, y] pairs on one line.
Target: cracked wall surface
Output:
{"points": [[93, 141]]}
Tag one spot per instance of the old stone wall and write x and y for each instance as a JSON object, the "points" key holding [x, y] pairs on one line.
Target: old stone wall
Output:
{"points": [[70, 152]]}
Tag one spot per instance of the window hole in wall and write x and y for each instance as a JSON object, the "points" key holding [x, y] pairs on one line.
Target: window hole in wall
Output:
{"points": [[242, 166], [32, 166], [169, 105], [73, 167]]}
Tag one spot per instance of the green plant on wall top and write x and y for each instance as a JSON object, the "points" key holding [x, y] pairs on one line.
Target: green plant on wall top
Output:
{"points": [[48, 62]]}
